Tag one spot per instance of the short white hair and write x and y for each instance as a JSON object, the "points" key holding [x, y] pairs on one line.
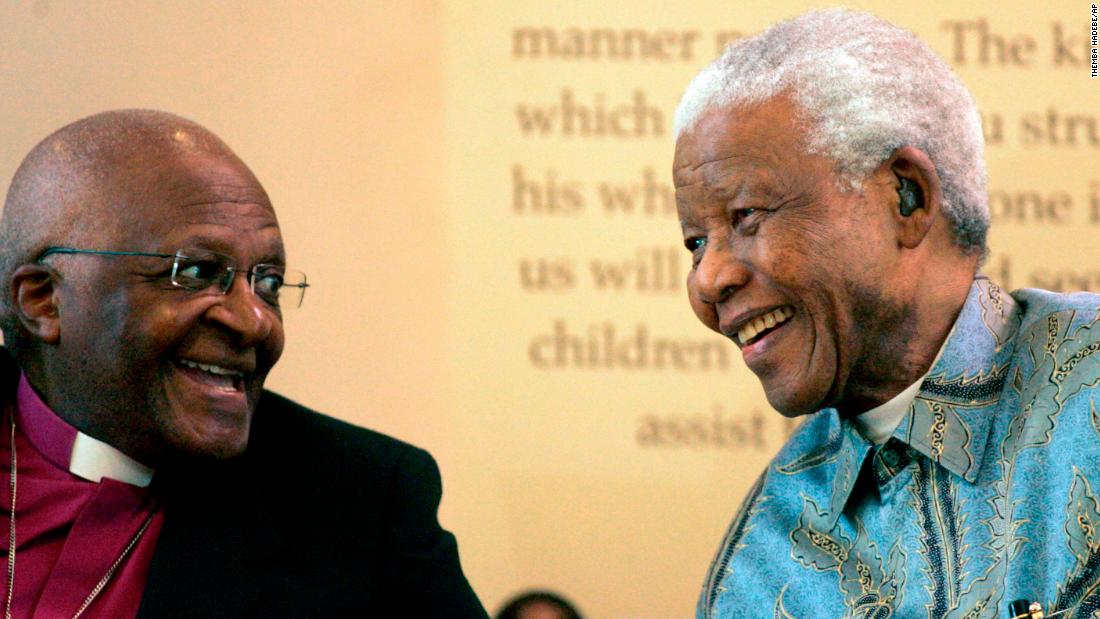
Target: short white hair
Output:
{"points": [[867, 88]]}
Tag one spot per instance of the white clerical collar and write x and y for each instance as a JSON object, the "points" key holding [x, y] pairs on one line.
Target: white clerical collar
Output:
{"points": [[92, 459], [879, 423]]}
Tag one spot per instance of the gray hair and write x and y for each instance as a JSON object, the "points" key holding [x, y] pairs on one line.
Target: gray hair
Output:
{"points": [[867, 88]]}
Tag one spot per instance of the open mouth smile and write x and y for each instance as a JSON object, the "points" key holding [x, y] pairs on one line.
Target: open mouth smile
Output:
{"points": [[758, 327], [215, 376]]}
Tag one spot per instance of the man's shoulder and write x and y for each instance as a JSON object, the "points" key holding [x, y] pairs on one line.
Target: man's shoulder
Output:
{"points": [[285, 431], [1065, 321], [1039, 304]]}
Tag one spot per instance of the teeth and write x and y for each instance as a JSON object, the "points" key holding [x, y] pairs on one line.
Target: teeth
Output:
{"points": [[213, 369], [767, 321]]}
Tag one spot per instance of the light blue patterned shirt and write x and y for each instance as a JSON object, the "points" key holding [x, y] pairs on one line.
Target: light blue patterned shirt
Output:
{"points": [[983, 495]]}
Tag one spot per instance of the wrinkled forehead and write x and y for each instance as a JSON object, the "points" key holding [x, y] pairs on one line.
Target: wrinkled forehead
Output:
{"points": [[768, 132], [199, 178], [733, 150], [190, 194]]}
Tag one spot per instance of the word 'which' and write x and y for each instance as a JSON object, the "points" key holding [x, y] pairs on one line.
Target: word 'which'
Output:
{"points": [[596, 118]]}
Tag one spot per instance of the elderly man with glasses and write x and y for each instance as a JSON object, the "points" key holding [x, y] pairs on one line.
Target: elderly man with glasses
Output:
{"points": [[149, 473]]}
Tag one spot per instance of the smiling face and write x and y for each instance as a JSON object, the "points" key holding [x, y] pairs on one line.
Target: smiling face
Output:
{"points": [[789, 267], [161, 372]]}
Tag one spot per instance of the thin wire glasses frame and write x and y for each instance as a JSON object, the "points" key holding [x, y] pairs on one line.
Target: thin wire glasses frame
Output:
{"points": [[201, 269]]}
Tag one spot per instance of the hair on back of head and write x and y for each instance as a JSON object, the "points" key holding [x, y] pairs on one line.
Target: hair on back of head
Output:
{"points": [[514, 608], [865, 88]]}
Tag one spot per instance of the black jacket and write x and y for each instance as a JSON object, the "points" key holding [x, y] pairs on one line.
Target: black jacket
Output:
{"points": [[318, 518]]}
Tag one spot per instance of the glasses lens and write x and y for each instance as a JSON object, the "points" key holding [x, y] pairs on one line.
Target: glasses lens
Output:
{"points": [[278, 286], [199, 269]]}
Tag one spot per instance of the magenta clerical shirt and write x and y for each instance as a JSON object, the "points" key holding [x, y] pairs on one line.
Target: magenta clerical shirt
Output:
{"points": [[79, 504]]}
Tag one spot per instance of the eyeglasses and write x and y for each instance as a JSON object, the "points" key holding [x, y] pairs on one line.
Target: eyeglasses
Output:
{"points": [[202, 269]]}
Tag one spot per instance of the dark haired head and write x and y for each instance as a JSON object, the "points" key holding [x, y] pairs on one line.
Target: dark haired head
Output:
{"points": [[517, 606]]}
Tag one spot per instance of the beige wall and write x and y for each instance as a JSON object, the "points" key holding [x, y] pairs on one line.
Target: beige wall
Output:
{"points": [[389, 136]]}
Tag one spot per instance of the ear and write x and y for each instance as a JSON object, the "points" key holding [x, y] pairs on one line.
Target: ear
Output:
{"points": [[34, 301], [918, 205]]}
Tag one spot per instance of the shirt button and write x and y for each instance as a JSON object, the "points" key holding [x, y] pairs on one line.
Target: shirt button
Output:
{"points": [[890, 457]]}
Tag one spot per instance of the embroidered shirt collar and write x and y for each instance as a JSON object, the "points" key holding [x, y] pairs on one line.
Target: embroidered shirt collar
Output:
{"points": [[67, 448], [949, 420], [951, 417]]}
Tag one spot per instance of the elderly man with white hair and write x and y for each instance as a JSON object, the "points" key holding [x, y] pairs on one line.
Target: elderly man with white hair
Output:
{"points": [[831, 190]]}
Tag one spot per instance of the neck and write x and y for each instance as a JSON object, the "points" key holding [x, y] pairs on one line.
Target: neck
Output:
{"points": [[905, 351], [69, 408]]}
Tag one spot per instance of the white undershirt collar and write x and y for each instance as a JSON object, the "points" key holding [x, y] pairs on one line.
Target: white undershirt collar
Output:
{"points": [[879, 423]]}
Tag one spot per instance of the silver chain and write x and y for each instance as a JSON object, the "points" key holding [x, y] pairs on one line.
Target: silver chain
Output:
{"points": [[114, 566], [11, 521]]}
